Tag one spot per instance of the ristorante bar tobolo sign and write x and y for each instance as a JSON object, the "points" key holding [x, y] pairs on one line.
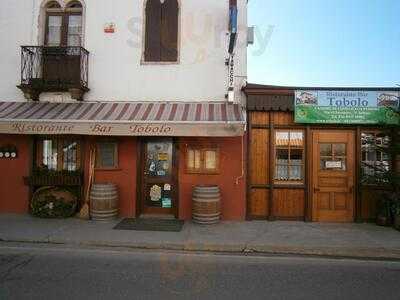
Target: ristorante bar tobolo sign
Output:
{"points": [[123, 129], [347, 107]]}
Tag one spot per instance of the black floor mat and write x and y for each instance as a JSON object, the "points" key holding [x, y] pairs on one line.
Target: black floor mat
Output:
{"points": [[150, 225]]}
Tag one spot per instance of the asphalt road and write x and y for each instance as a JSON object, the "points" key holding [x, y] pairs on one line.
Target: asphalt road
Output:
{"points": [[43, 272]]}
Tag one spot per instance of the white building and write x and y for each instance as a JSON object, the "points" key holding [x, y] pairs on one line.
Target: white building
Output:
{"points": [[117, 66]]}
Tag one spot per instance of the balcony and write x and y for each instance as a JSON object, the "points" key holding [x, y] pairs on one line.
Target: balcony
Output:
{"points": [[54, 69]]}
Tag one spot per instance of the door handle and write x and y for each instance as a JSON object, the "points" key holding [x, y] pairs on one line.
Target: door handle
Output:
{"points": [[316, 190], [351, 189]]}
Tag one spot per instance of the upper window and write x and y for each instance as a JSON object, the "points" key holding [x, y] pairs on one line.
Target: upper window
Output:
{"points": [[58, 154], [63, 27], [289, 156], [161, 36], [375, 160]]}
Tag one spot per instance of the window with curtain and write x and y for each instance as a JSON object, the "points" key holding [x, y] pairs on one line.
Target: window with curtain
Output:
{"points": [[161, 31], [63, 27], [289, 156], [202, 160], [58, 154]]}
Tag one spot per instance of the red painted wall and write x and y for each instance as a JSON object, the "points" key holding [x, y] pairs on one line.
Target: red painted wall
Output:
{"points": [[231, 179], [124, 176], [14, 194]]}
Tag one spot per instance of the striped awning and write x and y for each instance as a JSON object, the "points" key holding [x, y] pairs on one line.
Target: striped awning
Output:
{"points": [[123, 118]]}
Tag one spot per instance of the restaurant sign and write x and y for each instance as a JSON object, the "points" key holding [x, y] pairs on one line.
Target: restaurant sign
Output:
{"points": [[122, 129], [347, 107]]}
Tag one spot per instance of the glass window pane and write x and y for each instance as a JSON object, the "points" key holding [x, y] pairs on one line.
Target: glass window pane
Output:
{"points": [[210, 160], [159, 159], [193, 159], [281, 172], [325, 149], [106, 155], [197, 159], [74, 30], [295, 172], [339, 149], [54, 31], [370, 155], [296, 156], [367, 138], [282, 156], [296, 138], [190, 159], [70, 150], [50, 154], [282, 138]]}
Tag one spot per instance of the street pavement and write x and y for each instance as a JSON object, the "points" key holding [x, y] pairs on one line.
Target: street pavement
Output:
{"points": [[29, 271], [345, 240]]}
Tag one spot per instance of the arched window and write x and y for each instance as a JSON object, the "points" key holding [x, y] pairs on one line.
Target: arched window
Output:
{"points": [[63, 27], [161, 36]]}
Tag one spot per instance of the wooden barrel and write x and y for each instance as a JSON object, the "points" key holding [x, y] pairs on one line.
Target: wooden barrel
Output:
{"points": [[103, 202], [206, 204]]}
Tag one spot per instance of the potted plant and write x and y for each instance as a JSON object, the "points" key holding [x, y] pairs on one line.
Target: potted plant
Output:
{"points": [[387, 175]]}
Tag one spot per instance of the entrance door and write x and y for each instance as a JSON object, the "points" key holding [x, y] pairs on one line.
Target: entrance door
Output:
{"points": [[333, 176], [158, 177]]}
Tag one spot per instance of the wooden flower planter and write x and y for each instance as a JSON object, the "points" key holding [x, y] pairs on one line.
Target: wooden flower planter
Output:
{"points": [[54, 180]]}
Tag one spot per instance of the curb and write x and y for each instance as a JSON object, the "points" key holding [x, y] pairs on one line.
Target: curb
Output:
{"points": [[349, 253]]}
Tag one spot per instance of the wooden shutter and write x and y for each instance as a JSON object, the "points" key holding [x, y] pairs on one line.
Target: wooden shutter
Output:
{"points": [[153, 31], [169, 33]]}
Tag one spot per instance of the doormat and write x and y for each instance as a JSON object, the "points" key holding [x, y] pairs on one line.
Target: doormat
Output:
{"points": [[150, 225]]}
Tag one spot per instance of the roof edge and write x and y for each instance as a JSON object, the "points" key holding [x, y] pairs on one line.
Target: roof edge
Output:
{"points": [[253, 87]]}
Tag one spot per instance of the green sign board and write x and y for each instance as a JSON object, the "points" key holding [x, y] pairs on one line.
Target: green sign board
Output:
{"points": [[347, 107]]}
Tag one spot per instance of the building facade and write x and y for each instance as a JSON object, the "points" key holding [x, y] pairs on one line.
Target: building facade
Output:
{"points": [[315, 153], [150, 86]]}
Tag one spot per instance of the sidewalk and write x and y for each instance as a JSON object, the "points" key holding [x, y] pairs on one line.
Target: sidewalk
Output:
{"points": [[341, 240]]}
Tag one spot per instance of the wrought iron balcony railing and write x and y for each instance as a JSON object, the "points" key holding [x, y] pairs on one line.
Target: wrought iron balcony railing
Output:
{"points": [[54, 69]]}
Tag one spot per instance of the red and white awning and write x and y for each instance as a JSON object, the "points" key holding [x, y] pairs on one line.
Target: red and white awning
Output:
{"points": [[123, 118]]}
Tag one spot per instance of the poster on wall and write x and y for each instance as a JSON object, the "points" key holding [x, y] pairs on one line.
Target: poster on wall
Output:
{"points": [[347, 107]]}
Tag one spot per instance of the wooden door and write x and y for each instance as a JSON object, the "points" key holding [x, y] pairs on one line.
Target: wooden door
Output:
{"points": [[333, 171], [159, 173]]}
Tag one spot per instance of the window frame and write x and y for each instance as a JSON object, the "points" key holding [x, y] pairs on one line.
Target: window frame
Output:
{"points": [[202, 169], [342, 158], [64, 13], [60, 153], [115, 166], [143, 60], [288, 165], [363, 175]]}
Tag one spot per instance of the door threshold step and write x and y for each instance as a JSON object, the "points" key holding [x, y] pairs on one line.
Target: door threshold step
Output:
{"points": [[157, 216]]}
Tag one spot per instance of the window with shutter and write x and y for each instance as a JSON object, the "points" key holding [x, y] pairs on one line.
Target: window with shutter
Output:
{"points": [[169, 31], [161, 34]]}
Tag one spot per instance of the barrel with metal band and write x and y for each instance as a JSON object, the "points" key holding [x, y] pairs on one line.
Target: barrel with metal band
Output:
{"points": [[103, 202], [206, 204]]}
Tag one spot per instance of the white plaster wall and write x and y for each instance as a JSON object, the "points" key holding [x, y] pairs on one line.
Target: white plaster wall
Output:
{"points": [[116, 71]]}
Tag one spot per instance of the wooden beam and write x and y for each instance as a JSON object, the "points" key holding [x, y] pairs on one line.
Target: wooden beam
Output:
{"points": [[271, 167], [358, 214], [307, 173], [248, 166]]}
